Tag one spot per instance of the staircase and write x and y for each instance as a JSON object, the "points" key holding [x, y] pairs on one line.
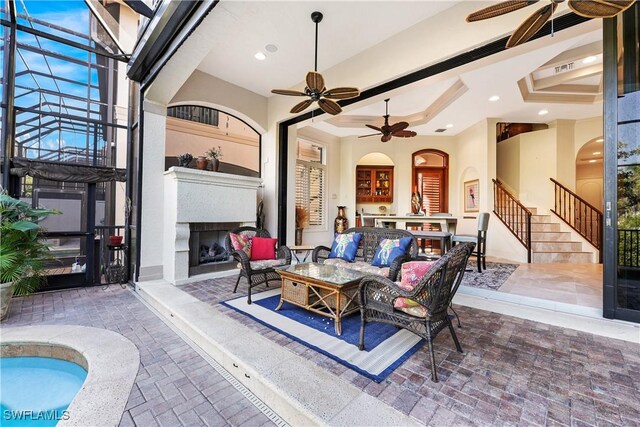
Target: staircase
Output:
{"points": [[551, 245]]}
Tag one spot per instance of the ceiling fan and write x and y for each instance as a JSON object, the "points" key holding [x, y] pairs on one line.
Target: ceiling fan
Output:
{"points": [[530, 26], [387, 132], [315, 89]]}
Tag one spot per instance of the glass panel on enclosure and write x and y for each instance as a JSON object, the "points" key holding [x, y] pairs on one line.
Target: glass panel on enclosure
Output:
{"points": [[628, 269]]}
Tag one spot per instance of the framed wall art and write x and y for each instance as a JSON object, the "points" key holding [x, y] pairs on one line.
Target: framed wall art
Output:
{"points": [[472, 196]]}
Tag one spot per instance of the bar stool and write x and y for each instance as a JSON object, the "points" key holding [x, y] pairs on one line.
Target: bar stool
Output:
{"points": [[480, 240]]}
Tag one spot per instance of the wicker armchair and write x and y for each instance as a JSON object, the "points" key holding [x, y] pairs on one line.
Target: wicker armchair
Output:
{"points": [[256, 272], [371, 238], [435, 292]]}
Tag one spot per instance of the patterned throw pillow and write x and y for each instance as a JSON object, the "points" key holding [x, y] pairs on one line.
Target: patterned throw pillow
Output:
{"points": [[241, 242], [389, 249], [345, 246], [412, 272]]}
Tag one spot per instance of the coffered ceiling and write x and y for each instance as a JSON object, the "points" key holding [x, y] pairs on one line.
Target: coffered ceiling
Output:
{"points": [[552, 78]]}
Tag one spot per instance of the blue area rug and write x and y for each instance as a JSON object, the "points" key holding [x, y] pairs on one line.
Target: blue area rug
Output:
{"points": [[386, 346]]}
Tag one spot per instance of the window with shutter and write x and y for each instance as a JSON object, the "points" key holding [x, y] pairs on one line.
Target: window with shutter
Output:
{"points": [[311, 182], [430, 178]]}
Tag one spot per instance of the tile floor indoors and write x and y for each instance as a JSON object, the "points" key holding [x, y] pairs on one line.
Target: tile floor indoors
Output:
{"points": [[175, 386], [513, 371]]}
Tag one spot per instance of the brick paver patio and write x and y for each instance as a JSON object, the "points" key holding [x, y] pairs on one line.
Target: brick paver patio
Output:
{"points": [[175, 386], [512, 372]]}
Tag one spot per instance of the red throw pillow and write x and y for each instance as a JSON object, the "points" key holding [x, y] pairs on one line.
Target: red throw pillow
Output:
{"points": [[263, 248]]}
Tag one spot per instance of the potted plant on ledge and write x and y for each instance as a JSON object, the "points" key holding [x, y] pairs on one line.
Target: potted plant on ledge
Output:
{"points": [[23, 250], [214, 155]]}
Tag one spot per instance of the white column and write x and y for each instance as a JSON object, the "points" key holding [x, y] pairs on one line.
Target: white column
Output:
{"points": [[152, 213]]}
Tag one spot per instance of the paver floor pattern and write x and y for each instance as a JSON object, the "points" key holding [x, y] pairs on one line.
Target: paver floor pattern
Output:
{"points": [[175, 386], [512, 372]]}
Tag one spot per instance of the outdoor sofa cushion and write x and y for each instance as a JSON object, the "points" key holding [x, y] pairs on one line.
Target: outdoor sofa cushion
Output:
{"points": [[411, 274], [390, 249], [263, 248]]}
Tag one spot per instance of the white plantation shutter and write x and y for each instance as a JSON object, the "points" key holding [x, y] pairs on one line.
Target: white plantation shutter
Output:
{"points": [[310, 190]]}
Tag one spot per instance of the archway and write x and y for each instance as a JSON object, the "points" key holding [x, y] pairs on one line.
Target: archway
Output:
{"points": [[374, 187], [589, 172], [430, 177]]}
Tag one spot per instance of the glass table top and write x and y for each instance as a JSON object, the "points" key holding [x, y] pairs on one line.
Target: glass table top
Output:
{"points": [[326, 273]]}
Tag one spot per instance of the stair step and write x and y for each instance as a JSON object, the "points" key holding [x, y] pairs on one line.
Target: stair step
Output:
{"points": [[535, 219], [556, 246], [545, 226], [548, 236], [562, 257]]}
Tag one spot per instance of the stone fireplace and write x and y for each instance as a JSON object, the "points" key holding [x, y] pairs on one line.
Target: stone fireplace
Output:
{"points": [[199, 209]]}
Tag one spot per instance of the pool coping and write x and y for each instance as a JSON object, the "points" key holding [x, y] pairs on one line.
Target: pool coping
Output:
{"points": [[111, 360]]}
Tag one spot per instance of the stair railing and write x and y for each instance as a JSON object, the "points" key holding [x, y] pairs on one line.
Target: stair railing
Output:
{"points": [[579, 214], [513, 214]]}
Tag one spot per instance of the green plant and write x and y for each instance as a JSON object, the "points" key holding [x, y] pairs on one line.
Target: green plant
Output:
{"points": [[23, 250], [214, 153]]}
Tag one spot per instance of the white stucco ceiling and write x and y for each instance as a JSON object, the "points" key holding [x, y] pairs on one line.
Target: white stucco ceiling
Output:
{"points": [[348, 28], [351, 27]]}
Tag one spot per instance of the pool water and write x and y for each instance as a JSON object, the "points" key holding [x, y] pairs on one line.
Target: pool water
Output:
{"points": [[36, 391]]}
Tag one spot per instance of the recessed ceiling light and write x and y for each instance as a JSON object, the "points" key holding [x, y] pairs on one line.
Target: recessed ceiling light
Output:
{"points": [[494, 98], [542, 112], [271, 48], [260, 56], [589, 60], [450, 125], [600, 140], [592, 161], [596, 153]]}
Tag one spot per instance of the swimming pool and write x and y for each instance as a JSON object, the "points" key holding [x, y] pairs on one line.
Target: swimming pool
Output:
{"points": [[36, 391]]}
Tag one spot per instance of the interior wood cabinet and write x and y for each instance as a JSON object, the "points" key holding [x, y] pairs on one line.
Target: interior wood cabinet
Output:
{"points": [[374, 184]]}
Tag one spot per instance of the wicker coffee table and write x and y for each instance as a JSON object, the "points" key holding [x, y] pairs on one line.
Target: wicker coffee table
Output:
{"points": [[324, 289]]}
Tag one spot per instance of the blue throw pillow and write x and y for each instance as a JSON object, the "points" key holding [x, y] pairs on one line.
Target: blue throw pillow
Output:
{"points": [[388, 250], [345, 246]]}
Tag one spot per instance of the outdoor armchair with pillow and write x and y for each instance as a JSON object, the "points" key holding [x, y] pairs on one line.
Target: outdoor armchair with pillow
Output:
{"points": [[431, 296], [371, 238], [256, 272]]}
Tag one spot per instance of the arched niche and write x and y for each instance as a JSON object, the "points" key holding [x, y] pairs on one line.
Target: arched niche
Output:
{"points": [[374, 175], [589, 172]]}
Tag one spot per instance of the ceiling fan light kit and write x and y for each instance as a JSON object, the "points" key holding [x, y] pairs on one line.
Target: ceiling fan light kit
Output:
{"points": [[388, 131], [315, 88], [533, 24]]}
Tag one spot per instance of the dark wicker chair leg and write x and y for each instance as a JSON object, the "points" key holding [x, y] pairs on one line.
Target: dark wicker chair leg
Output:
{"points": [[456, 314], [434, 374], [455, 337], [361, 344], [237, 282]]}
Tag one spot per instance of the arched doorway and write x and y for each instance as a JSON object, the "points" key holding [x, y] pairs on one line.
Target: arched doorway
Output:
{"points": [[430, 177], [589, 172]]}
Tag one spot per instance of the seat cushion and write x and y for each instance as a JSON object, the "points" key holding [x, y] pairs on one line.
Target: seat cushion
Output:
{"points": [[410, 307], [263, 248], [345, 246], [267, 263], [241, 242], [412, 272], [389, 249]]}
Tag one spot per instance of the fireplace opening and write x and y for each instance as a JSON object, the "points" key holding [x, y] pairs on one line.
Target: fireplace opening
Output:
{"points": [[207, 252]]}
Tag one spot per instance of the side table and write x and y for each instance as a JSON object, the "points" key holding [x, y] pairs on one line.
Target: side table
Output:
{"points": [[301, 249]]}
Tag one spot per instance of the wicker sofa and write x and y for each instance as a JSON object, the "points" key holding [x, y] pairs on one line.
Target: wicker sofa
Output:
{"points": [[371, 237]]}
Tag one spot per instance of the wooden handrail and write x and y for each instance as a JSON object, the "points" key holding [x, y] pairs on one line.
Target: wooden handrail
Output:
{"points": [[576, 196], [579, 214], [513, 214]]}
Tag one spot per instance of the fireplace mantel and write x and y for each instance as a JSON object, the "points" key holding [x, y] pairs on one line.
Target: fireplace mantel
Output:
{"points": [[193, 196]]}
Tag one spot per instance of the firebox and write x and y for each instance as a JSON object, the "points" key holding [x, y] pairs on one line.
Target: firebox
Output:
{"points": [[207, 251]]}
